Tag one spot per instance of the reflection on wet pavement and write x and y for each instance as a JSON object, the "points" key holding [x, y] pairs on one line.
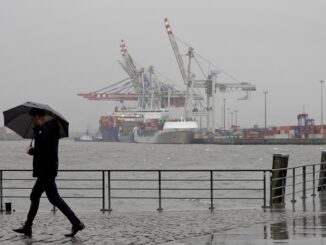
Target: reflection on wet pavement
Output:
{"points": [[305, 223]]}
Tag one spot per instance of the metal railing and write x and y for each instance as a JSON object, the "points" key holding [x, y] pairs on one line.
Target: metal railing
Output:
{"points": [[158, 185], [302, 181], [17, 183]]}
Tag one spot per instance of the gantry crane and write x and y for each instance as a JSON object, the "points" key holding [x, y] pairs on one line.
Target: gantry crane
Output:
{"points": [[209, 84], [142, 86], [145, 83]]}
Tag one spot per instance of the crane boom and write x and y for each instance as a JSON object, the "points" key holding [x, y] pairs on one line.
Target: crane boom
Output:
{"points": [[176, 51], [129, 66], [129, 63]]}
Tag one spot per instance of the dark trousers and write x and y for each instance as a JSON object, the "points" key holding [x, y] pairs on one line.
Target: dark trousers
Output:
{"points": [[50, 188]]}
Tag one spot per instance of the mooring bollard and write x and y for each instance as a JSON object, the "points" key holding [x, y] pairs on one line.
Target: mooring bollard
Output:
{"points": [[322, 173], [278, 180], [8, 207]]}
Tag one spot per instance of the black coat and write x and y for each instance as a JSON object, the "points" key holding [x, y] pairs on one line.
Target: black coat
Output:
{"points": [[45, 150]]}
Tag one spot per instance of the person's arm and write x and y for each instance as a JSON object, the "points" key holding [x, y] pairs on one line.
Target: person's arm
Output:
{"points": [[43, 135]]}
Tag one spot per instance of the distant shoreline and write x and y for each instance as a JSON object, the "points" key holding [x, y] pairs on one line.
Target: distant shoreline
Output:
{"points": [[229, 141], [262, 141]]}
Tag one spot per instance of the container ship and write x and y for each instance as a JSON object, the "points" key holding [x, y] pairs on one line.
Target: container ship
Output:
{"points": [[119, 126], [146, 126]]}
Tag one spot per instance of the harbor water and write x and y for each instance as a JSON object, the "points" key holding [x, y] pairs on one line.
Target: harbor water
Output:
{"points": [[131, 156]]}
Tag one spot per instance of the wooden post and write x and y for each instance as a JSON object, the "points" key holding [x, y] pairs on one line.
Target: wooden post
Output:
{"points": [[1, 193], [322, 173], [278, 180]]}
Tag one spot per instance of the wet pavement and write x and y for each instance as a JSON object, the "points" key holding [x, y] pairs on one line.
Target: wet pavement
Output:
{"points": [[302, 225]]}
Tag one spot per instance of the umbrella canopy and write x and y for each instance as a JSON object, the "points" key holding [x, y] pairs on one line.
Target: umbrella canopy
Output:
{"points": [[19, 120]]}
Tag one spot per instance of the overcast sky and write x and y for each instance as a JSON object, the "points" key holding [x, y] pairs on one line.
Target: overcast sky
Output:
{"points": [[52, 50]]}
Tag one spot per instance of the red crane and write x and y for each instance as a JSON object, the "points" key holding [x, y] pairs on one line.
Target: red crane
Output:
{"points": [[139, 86]]}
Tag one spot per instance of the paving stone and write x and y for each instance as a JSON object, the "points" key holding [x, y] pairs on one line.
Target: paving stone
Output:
{"points": [[130, 228], [179, 227]]}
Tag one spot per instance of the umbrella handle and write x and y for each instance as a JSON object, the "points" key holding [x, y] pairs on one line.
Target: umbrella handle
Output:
{"points": [[31, 144]]}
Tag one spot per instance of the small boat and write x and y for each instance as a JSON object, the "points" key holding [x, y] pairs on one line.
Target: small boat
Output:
{"points": [[88, 138]]}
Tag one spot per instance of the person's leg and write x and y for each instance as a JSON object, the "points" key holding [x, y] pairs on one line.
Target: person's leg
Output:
{"points": [[35, 201], [35, 196], [54, 197]]}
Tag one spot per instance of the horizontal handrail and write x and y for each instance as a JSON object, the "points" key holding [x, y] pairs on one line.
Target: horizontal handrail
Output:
{"points": [[189, 189], [189, 198], [56, 179], [111, 184], [68, 197], [146, 170]]}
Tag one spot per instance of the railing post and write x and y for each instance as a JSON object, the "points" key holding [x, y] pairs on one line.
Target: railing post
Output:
{"points": [[322, 173], [293, 186], [159, 192], [109, 191], [313, 181], [264, 179], [103, 191], [1, 194], [270, 189], [212, 191], [304, 182], [280, 164]]}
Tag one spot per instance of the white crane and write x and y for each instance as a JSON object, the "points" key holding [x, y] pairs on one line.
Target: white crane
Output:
{"points": [[209, 84], [187, 77], [176, 51], [152, 93]]}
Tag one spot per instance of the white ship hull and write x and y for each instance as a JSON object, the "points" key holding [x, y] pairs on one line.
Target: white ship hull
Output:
{"points": [[166, 137], [172, 133]]}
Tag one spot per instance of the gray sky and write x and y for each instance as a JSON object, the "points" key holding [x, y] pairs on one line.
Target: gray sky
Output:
{"points": [[52, 50]]}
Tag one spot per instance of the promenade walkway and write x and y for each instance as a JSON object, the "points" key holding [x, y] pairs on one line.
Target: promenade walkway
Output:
{"points": [[306, 224]]}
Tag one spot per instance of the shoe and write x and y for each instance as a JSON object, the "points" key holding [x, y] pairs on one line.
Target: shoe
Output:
{"points": [[75, 229], [26, 230]]}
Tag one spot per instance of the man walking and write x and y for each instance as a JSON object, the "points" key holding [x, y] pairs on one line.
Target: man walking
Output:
{"points": [[45, 168]]}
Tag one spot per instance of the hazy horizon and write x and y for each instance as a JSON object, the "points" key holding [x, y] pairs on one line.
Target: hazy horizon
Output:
{"points": [[52, 50]]}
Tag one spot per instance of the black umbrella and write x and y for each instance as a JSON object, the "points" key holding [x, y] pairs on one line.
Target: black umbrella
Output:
{"points": [[19, 120]]}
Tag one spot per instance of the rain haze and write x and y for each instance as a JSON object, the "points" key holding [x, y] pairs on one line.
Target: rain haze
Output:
{"points": [[52, 50]]}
